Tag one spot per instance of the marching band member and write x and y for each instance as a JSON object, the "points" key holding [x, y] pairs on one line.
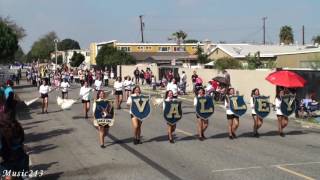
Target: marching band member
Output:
{"points": [[85, 94], [171, 128], [64, 85], [233, 120], [98, 84], [127, 86], [202, 123], [103, 130], [257, 120], [172, 86], [44, 91], [118, 88], [136, 123], [282, 120]]}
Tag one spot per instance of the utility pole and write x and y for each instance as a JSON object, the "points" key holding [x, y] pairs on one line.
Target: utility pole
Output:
{"points": [[264, 29], [302, 34], [141, 28]]}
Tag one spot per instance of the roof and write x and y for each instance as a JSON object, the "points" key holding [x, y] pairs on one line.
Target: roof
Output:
{"points": [[161, 56], [146, 44], [242, 50]]}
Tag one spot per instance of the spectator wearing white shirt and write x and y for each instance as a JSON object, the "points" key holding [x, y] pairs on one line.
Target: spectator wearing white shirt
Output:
{"points": [[173, 87], [118, 88], [44, 90], [85, 93], [64, 88]]}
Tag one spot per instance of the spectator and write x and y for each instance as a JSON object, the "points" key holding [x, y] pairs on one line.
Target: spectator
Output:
{"points": [[8, 89], [141, 75], [183, 82], [227, 76], [12, 151], [170, 76], [136, 75]]}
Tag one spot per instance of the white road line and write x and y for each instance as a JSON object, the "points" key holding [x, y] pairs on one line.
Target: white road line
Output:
{"points": [[184, 132], [296, 164], [295, 173], [237, 169]]}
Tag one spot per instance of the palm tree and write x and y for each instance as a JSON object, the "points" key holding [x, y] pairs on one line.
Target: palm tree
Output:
{"points": [[316, 39], [179, 37], [286, 35]]}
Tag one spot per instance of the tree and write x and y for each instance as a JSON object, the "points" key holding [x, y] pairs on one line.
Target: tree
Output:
{"points": [[77, 59], [109, 56], [286, 35], [19, 54], [202, 57], [8, 43], [254, 62], [179, 36], [316, 39], [42, 48], [67, 44], [19, 31], [191, 41], [227, 63]]}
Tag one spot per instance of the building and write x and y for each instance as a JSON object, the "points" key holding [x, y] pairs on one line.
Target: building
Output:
{"points": [[304, 58], [67, 55], [145, 48], [266, 53]]}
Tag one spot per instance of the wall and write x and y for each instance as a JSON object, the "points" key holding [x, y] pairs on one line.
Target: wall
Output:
{"points": [[242, 80]]}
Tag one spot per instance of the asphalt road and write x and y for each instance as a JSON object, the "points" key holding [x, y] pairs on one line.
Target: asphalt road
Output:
{"points": [[65, 146]]}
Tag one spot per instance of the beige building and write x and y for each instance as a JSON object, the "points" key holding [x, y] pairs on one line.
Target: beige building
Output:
{"points": [[307, 58]]}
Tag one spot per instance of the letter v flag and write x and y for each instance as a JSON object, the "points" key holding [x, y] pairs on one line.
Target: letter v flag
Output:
{"points": [[140, 107]]}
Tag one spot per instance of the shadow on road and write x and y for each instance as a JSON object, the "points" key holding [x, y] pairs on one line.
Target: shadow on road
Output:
{"points": [[31, 137], [41, 148], [35, 122], [276, 133], [23, 111]]}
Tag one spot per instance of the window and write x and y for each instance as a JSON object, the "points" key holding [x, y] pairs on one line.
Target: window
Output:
{"points": [[164, 49], [125, 48], [179, 49]]}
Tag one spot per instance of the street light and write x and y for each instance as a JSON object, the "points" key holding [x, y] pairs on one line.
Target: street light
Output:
{"points": [[56, 49]]}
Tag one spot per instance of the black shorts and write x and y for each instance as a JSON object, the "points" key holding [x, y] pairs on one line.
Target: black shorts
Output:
{"points": [[44, 95], [232, 116], [118, 93], [85, 101], [127, 90], [64, 93], [201, 117]]}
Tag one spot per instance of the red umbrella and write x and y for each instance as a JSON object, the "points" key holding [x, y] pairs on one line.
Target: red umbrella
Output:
{"points": [[287, 79]]}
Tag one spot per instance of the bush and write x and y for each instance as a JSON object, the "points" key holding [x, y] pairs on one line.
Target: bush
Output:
{"points": [[227, 63]]}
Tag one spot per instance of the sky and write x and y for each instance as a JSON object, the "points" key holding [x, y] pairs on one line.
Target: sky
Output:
{"points": [[231, 21]]}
